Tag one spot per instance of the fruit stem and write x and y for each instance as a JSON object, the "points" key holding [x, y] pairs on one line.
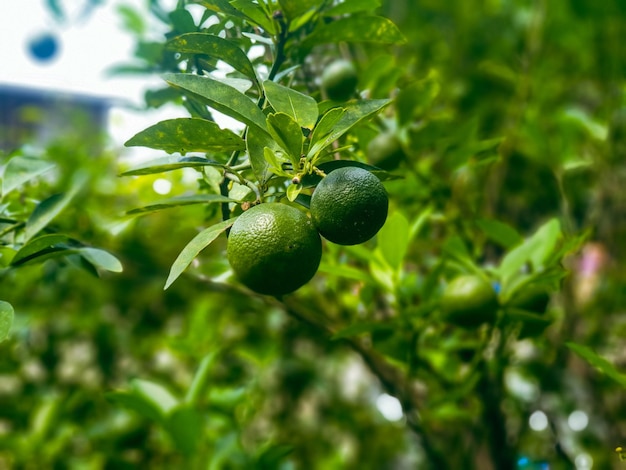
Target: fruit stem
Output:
{"points": [[237, 178]]}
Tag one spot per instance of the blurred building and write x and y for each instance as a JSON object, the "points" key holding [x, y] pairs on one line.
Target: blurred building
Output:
{"points": [[38, 116]]}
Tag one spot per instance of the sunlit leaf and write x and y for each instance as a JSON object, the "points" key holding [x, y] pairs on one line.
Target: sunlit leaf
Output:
{"points": [[20, 170], [101, 259], [353, 113], [393, 239], [302, 108], [214, 46], [288, 134], [187, 135], [181, 201], [164, 164], [194, 247], [219, 96], [6, 319], [51, 207]]}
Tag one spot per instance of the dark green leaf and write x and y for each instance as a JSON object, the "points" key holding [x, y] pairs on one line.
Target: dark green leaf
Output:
{"points": [[194, 247], [187, 135], [40, 244], [361, 328], [302, 108], [598, 362], [181, 201], [223, 98], [375, 29], [214, 46], [6, 319], [184, 424], [182, 21], [162, 165]]}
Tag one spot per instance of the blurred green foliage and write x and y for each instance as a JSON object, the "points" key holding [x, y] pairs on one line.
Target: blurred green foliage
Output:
{"points": [[511, 118]]}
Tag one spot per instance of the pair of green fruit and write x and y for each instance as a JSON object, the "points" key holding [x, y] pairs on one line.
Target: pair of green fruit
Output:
{"points": [[470, 301], [275, 248]]}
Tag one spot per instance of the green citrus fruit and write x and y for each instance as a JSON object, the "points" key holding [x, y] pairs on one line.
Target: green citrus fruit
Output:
{"points": [[469, 301], [339, 80], [385, 151], [349, 206], [274, 248]]}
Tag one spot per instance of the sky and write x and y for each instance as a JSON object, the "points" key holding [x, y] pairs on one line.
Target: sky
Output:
{"points": [[88, 49]]}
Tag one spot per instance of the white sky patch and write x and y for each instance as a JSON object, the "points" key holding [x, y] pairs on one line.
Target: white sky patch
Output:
{"points": [[538, 421], [162, 186], [577, 420], [389, 407]]}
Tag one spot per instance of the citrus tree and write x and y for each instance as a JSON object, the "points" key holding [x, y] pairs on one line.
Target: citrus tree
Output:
{"points": [[370, 256]]}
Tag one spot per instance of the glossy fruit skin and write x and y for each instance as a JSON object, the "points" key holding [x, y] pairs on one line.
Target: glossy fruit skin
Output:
{"points": [[274, 249], [385, 151], [339, 80], [469, 301], [349, 206]]}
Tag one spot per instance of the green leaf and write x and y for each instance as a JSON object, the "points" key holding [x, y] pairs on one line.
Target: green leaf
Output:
{"points": [[293, 191], [20, 170], [535, 250], [415, 98], [393, 239], [214, 46], [345, 271], [257, 142], [6, 319], [361, 328], [220, 96], [598, 362], [326, 125], [187, 135], [182, 21], [149, 399], [455, 249], [255, 14], [272, 456], [51, 207], [101, 259], [366, 28], [313, 178], [194, 247], [499, 232], [302, 108], [221, 6], [294, 8], [353, 113], [40, 244], [288, 134], [164, 164], [181, 201], [184, 425], [352, 6]]}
